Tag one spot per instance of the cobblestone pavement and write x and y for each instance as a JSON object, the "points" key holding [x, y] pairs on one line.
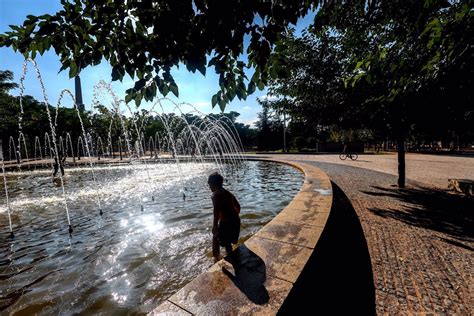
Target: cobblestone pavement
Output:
{"points": [[420, 239]]}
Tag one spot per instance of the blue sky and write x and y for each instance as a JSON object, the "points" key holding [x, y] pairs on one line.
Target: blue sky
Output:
{"points": [[193, 88]]}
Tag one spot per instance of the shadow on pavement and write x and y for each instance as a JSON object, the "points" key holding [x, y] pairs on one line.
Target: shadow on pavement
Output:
{"points": [[433, 209], [338, 276], [250, 274]]}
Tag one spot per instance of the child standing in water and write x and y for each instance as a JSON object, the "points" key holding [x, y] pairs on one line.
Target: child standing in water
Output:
{"points": [[226, 224]]}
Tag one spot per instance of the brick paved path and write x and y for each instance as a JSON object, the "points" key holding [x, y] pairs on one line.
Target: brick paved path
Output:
{"points": [[420, 240]]}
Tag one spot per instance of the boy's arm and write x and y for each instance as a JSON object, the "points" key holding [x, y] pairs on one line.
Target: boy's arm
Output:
{"points": [[216, 217], [236, 204], [214, 224]]}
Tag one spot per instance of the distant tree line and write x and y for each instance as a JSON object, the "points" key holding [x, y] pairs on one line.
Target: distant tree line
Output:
{"points": [[101, 123]]}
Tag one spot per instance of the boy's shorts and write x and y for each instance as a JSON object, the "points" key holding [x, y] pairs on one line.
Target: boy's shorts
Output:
{"points": [[228, 232]]}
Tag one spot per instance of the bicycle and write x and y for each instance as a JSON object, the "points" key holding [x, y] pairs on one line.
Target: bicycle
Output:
{"points": [[352, 156]]}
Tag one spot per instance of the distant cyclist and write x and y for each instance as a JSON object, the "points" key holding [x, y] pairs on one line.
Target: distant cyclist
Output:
{"points": [[344, 155]]}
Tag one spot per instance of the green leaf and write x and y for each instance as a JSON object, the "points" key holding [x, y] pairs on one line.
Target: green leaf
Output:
{"points": [[251, 88], [149, 93], [138, 99], [222, 106], [73, 69], [231, 94], [241, 92], [214, 100], [201, 68], [41, 47], [354, 81], [368, 78], [148, 68], [165, 90], [256, 75], [140, 29], [140, 73], [131, 71], [139, 84], [174, 88], [128, 98], [117, 73], [29, 29]]}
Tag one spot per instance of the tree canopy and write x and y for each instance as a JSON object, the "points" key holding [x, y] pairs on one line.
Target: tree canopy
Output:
{"points": [[6, 85], [382, 68], [396, 68], [146, 39]]}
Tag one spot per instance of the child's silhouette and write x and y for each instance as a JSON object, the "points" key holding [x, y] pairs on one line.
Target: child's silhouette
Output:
{"points": [[226, 224]]}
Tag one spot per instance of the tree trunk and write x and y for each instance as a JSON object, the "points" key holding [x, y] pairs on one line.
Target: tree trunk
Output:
{"points": [[401, 160]]}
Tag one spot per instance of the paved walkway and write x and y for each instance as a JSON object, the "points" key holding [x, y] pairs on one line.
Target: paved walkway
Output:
{"points": [[420, 239], [430, 169]]}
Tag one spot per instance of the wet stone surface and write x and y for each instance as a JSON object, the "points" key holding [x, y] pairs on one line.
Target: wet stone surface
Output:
{"points": [[238, 285]]}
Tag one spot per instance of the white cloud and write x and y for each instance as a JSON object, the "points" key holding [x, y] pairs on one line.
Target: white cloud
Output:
{"points": [[246, 108]]}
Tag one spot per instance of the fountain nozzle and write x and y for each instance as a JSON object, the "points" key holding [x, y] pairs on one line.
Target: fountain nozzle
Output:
{"points": [[70, 229], [141, 207], [11, 235], [100, 212], [153, 198], [184, 196]]}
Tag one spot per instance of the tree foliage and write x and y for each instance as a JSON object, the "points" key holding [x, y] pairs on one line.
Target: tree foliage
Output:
{"points": [[382, 69], [146, 39], [269, 127], [6, 85], [397, 68], [413, 62]]}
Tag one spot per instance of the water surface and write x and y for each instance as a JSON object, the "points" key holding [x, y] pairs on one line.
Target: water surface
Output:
{"points": [[128, 260]]}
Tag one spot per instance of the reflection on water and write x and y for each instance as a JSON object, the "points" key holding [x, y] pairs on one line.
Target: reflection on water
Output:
{"points": [[126, 261]]}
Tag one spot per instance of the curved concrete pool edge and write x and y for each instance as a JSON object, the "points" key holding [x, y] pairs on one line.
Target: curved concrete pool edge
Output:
{"points": [[258, 276]]}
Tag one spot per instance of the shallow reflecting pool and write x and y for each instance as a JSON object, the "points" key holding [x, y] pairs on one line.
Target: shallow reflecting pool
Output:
{"points": [[128, 260]]}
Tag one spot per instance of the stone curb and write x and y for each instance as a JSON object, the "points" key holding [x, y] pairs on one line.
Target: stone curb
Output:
{"points": [[284, 244]]}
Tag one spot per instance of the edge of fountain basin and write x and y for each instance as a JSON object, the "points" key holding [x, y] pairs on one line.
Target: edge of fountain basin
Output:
{"points": [[285, 245]]}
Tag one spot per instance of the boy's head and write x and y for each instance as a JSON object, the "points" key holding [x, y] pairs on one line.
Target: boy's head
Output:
{"points": [[215, 181]]}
